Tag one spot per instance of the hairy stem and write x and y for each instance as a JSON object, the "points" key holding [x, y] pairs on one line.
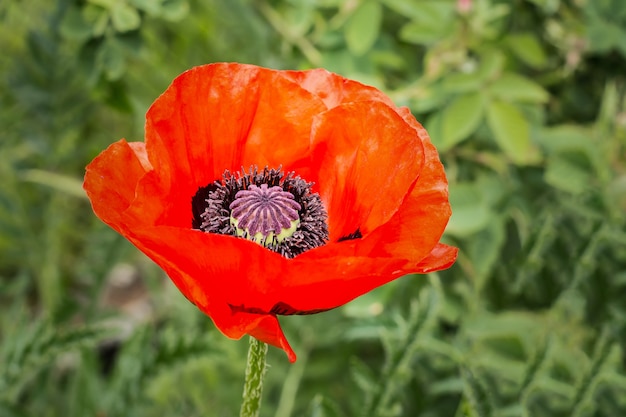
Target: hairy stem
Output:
{"points": [[255, 371]]}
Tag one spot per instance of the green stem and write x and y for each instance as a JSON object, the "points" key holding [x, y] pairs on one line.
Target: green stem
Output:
{"points": [[255, 371]]}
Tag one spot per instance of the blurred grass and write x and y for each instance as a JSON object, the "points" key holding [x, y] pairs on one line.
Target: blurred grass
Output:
{"points": [[524, 99]]}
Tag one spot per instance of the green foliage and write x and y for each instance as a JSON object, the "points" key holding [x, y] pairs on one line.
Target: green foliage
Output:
{"points": [[29, 350], [526, 102]]}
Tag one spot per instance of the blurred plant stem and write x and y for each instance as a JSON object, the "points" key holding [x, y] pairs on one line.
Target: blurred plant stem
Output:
{"points": [[253, 386], [287, 401]]}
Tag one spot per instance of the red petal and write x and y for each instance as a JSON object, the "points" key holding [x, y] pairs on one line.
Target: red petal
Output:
{"points": [[111, 179], [224, 116], [334, 89], [416, 227], [268, 330], [324, 283], [421, 220], [441, 257], [367, 158], [219, 273]]}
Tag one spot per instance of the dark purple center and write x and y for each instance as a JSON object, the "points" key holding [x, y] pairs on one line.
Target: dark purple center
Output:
{"points": [[275, 210], [265, 210]]}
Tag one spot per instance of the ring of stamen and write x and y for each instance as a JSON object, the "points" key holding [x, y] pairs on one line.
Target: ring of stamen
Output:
{"points": [[276, 210]]}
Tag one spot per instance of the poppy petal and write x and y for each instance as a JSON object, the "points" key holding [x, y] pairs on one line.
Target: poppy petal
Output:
{"points": [[111, 190], [441, 257], [216, 268], [232, 324], [206, 278], [421, 220], [333, 281], [268, 330], [334, 89], [224, 116], [320, 283], [359, 150]]}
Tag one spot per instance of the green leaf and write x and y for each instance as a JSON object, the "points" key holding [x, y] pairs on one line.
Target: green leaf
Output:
{"points": [[174, 10], [491, 63], [370, 304], [363, 27], [388, 59], [112, 56], [437, 12], [478, 397], [324, 407], [60, 182], [511, 132], [548, 6], [124, 17], [452, 385], [151, 7], [422, 33], [412, 10], [528, 49], [107, 4], [621, 45], [470, 212], [485, 249], [427, 99], [462, 82], [576, 142], [603, 36], [434, 126], [566, 137], [565, 174], [363, 376], [74, 26], [514, 87], [486, 325], [460, 119], [434, 21], [98, 18], [509, 346]]}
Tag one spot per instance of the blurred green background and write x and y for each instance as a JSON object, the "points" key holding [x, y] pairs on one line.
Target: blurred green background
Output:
{"points": [[525, 100]]}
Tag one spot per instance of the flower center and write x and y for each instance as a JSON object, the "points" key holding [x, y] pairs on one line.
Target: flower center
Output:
{"points": [[277, 211], [264, 214]]}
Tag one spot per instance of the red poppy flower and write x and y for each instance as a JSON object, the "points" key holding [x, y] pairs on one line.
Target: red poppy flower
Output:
{"points": [[368, 191]]}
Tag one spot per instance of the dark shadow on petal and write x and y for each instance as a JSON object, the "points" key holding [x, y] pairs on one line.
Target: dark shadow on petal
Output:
{"points": [[354, 235], [284, 309], [279, 309]]}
